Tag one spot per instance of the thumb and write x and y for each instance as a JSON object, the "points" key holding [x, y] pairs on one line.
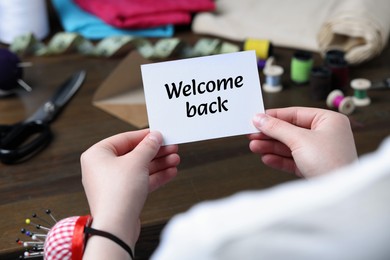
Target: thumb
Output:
{"points": [[278, 129], [148, 148]]}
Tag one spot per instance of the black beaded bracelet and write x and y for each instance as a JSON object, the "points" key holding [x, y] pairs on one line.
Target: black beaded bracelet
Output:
{"points": [[92, 231]]}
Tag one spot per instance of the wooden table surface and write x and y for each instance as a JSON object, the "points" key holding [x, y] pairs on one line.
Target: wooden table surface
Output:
{"points": [[209, 169]]}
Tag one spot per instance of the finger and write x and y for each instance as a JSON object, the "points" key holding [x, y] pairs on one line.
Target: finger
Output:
{"points": [[161, 163], [258, 136], [165, 150], [280, 130], [161, 178], [285, 164], [123, 143], [147, 149], [269, 147], [300, 116]]}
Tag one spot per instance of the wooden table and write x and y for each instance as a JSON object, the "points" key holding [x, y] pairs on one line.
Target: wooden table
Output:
{"points": [[209, 169]]}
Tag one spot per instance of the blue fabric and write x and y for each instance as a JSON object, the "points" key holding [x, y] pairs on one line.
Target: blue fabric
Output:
{"points": [[74, 19]]}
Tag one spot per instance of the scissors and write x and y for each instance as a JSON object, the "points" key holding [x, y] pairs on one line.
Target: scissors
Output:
{"points": [[20, 141], [384, 84]]}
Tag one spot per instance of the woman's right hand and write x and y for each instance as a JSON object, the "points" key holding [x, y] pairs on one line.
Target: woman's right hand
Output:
{"points": [[305, 141]]}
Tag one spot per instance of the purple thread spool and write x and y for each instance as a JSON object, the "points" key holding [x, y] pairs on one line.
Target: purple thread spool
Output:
{"points": [[10, 71]]}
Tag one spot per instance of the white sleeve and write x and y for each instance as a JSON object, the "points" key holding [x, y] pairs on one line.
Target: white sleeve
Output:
{"points": [[343, 215]]}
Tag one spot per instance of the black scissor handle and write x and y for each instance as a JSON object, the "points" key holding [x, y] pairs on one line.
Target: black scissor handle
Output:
{"points": [[21, 141]]}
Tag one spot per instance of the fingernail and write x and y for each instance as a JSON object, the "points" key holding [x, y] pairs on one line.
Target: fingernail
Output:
{"points": [[260, 119], [155, 137]]}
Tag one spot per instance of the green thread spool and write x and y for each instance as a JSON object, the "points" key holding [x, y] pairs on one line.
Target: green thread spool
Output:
{"points": [[301, 65], [360, 94], [360, 87]]}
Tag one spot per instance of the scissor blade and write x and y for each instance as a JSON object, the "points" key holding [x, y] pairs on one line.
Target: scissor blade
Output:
{"points": [[64, 93]]}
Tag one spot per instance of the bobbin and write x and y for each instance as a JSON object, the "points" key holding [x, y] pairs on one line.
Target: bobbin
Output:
{"points": [[335, 61], [11, 73], [301, 65], [273, 75], [262, 47], [360, 87], [320, 82], [337, 100]]}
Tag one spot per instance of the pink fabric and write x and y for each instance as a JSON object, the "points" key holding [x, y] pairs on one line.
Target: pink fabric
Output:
{"points": [[145, 13]]}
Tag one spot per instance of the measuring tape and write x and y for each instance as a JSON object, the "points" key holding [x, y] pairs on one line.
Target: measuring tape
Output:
{"points": [[65, 42]]}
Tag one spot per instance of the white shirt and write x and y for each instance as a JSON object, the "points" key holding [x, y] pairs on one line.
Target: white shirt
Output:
{"points": [[342, 215]]}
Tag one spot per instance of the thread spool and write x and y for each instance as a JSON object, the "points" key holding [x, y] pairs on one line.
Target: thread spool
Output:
{"points": [[261, 64], [273, 78], [320, 82], [18, 17], [11, 73], [360, 87], [336, 99], [334, 56], [334, 60], [262, 47], [301, 65]]}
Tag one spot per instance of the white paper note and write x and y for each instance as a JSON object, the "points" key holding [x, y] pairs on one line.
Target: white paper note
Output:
{"points": [[203, 98]]}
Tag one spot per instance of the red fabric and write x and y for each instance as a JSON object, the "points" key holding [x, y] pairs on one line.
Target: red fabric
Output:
{"points": [[145, 13]]}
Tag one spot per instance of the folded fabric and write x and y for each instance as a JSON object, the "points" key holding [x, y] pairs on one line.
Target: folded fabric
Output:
{"points": [[74, 19], [359, 27], [145, 13]]}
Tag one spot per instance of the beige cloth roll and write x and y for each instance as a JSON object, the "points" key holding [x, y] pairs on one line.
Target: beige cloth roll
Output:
{"points": [[359, 27]]}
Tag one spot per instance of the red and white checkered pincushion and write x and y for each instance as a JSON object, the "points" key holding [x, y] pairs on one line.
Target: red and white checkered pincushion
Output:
{"points": [[58, 244]]}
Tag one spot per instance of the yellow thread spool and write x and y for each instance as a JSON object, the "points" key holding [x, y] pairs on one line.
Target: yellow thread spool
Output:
{"points": [[263, 48]]}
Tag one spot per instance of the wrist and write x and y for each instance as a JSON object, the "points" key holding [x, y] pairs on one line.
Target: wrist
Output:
{"points": [[127, 230]]}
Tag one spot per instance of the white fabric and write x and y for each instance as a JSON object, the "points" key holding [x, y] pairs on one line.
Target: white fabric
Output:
{"points": [[343, 215], [359, 27]]}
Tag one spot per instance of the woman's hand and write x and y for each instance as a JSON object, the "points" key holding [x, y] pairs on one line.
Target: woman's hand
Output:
{"points": [[304, 141], [119, 172]]}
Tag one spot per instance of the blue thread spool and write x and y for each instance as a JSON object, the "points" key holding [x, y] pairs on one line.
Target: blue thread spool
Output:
{"points": [[273, 82]]}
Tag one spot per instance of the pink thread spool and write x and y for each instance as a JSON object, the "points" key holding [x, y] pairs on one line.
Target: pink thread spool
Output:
{"points": [[337, 100]]}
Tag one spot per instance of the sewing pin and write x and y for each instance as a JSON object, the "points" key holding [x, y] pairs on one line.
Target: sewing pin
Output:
{"points": [[48, 212], [32, 254], [34, 215], [37, 226], [24, 85]]}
